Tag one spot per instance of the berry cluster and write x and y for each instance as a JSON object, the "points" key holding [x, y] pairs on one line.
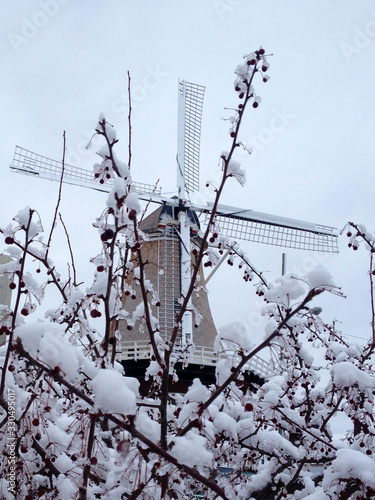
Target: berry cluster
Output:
{"points": [[107, 235], [103, 172], [254, 63]]}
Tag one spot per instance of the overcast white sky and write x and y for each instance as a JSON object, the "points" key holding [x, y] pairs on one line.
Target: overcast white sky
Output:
{"points": [[64, 62]]}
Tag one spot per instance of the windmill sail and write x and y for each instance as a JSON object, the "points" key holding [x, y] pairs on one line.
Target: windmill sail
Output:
{"points": [[28, 163], [234, 222], [190, 105], [275, 230]]}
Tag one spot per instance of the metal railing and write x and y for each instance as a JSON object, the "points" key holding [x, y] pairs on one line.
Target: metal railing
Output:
{"points": [[202, 355]]}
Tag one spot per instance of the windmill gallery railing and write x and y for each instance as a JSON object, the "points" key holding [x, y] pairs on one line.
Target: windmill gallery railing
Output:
{"points": [[202, 355]]}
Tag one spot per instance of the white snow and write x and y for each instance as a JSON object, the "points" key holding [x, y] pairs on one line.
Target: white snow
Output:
{"points": [[197, 392], [48, 343], [318, 495], [233, 335], [23, 218], [350, 464], [346, 374], [319, 276], [289, 288], [63, 463], [65, 487], [270, 440], [226, 424], [191, 450], [235, 170], [113, 392], [148, 427], [132, 202]]}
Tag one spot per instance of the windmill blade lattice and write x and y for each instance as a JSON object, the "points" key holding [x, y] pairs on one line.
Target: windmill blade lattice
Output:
{"points": [[190, 118], [28, 163], [274, 230], [234, 222]]}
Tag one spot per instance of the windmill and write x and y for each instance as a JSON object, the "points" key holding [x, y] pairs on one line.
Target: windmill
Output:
{"points": [[176, 220]]}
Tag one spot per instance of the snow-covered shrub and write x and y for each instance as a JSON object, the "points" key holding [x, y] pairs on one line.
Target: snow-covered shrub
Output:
{"points": [[74, 427]]}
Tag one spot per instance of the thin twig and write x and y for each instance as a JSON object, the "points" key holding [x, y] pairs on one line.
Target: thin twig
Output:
{"points": [[129, 123], [372, 299], [70, 251], [86, 470], [58, 199]]}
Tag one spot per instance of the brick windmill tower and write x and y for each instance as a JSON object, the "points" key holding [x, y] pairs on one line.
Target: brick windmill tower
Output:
{"points": [[173, 231]]}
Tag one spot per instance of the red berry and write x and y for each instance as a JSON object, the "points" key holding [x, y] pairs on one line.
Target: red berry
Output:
{"points": [[261, 52], [93, 460], [11, 368], [107, 235], [100, 269], [23, 449], [9, 240], [132, 214], [35, 421], [24, 311], [255, 104], [12, 286]]}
